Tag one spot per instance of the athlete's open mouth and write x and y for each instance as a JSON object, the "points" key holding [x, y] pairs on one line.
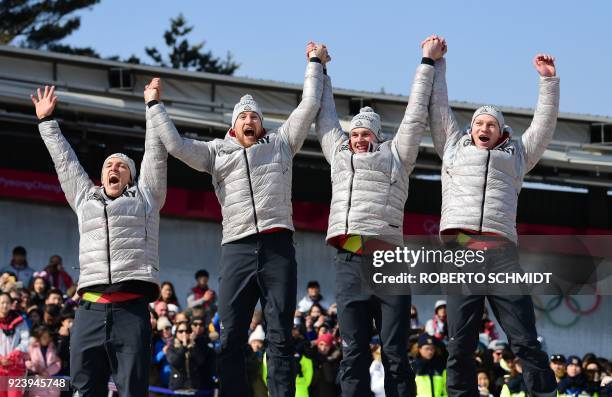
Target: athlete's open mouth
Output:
{"points": [[484, 138], [249, 132], [113, 180]]}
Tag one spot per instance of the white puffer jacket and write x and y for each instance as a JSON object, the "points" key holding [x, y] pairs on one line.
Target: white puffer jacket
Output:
{"points": [[369, 190], [119, 237], [480, 187], [253, 184]]}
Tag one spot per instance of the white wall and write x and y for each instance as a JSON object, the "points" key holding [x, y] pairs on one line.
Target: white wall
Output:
{"points": [[186, 246]]}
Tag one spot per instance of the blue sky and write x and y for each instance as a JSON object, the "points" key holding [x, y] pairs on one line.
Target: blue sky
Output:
{"points": [[375, 44]]}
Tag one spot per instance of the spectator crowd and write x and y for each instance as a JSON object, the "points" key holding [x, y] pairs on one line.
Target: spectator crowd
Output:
{"points": [[37, 309]]}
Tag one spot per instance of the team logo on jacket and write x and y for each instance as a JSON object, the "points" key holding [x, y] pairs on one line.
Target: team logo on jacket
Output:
{"points": [[507, 149], [263, 140]]}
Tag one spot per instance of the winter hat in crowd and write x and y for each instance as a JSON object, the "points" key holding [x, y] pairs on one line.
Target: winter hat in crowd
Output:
{"points": [[328, 339], [557, 358], [439, 304], [369, 119], [491, 111], [575, 360], [425, 339], [130, 163], [163, 323], [246, 104], [257, 334], [497, 344]]}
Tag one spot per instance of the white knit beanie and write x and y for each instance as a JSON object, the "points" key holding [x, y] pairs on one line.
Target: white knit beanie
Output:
{"points": [[130, 163], [246, 104], [491, 111], [368, 118]]}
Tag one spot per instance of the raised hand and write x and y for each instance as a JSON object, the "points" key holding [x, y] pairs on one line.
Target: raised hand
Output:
{"points": [[545, 65], [310, 49], [44, 102], [434, 47], [318, 51], [153, 90]]}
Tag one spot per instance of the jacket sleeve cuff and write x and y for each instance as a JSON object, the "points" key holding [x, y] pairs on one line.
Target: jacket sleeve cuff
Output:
{"points": [[428, 61], [48, 118]]}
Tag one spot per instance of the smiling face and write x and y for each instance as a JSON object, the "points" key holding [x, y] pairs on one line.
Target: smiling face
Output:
{"points": [[361, 139], [248, 128], [485, 131], [5, 305], [116, 176], [39, 285]]}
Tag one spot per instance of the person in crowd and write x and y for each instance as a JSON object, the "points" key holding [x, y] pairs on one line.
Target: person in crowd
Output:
{"points": [[63, 340], [14, 338], [592, 371], [437, 326], [51, 317], [201, 294], [38, 291], [557, 364], [313, 295], [164, 327], [255, 354], [514, 383], [168, 294], [44, 360], [25, 300], [191, 361], [19, 268], [315, 318], [198, 327], [429, 369], [326, 364], [54, 297], [377, 373], [575, 383], [488, 332], [484, 383], [56, 276], [415, 325]]}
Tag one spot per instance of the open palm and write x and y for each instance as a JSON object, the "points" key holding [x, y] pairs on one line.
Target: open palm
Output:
{"points": [[44, 101]]}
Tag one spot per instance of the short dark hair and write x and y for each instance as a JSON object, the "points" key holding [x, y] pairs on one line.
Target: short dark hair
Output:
{"points": [[53, 310], [201, 273], [19, 250], [38, 330], [67, 313], [313, 284], [55, 291]]}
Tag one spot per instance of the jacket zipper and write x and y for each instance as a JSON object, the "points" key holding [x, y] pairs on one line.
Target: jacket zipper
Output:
{"points": [[484, 190], [350, 194], [108, 255], [246, 159], [431, 382]]}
